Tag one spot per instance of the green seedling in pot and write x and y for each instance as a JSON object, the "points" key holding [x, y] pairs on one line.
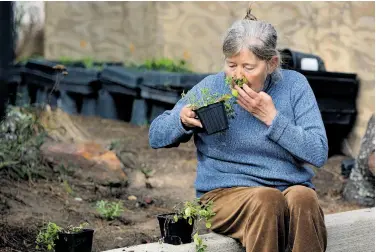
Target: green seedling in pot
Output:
{"points": [[47, 236], [195, 210], [207, 98]]}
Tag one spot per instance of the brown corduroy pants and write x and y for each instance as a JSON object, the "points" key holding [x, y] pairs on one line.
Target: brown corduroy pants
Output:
{"points": [[265, 219]]}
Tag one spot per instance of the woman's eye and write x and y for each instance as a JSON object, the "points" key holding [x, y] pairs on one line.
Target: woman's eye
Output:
{"points": [[249, 68]]}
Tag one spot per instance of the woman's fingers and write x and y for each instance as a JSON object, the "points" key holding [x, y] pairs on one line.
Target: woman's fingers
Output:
{"points": [[191, 122], [259, 104], [244, 101], [239, 101], [242, 93], [187, 117], [247, 100], [253, 94]]}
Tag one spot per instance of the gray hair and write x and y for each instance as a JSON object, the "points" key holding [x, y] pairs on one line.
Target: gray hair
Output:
{"points": [[258, 36]]}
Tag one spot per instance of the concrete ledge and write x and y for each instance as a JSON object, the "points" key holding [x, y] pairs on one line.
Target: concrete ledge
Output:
{"points": [[352, 231]]}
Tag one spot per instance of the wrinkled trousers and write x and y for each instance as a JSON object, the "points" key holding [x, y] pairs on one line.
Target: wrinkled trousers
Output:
{"points": [[265, 219]]}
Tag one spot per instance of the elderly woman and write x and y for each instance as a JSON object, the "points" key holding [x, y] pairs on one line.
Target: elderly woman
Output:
{"points": [[255, 172]]}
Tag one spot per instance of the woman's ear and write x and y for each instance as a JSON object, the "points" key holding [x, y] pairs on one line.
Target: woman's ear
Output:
{"points": [[272, 64]]}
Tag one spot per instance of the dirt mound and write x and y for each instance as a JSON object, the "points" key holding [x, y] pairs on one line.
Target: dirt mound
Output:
{"points": [[17, 238]]}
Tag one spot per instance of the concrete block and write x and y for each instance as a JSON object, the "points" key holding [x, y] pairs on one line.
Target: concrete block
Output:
{"points": [[351, 231]]}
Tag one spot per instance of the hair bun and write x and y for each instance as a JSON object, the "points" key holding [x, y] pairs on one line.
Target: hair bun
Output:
{"points": [[249, 15]]}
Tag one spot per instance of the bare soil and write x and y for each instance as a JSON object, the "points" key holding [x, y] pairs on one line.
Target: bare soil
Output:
{"points": [[26, 205]]}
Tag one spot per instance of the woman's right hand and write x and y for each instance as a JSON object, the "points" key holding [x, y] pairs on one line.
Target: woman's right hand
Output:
{"points": [[187, 117]]}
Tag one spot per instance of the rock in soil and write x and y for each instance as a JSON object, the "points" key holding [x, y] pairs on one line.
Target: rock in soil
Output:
{"points": [[87, 161]]}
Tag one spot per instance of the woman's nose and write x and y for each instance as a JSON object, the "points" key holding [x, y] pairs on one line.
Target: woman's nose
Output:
{"points": [[238, 73]]}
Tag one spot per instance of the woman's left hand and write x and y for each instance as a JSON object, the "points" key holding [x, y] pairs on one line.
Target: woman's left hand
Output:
{"points": [[258, 104]]}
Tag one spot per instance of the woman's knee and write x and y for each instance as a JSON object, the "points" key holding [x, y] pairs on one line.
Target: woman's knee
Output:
{"points": [[301, 197], [268, 200]]}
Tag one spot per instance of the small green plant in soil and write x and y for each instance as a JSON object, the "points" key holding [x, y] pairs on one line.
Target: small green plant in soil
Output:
{"points": [[165, 64], [68, 188], [148, 172], [66, 61], [88, 62], [114, 145], [195, 210], [109, 210], [48, 235]]}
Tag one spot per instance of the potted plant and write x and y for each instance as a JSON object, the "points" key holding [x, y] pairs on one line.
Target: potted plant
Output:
{"points": [[212, 109], [177, 227], [70, 239]]}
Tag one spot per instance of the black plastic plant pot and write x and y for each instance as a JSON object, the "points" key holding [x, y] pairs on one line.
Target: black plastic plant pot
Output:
{"points": [[213, 117], [77, 242], [175, 233]]}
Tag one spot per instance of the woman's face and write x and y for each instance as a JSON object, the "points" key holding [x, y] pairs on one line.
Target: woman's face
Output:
{"points": [[246, 64]]}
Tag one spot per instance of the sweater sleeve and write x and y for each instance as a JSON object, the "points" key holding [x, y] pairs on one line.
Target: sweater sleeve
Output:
{"points": [[305, 137], [167, 130]]}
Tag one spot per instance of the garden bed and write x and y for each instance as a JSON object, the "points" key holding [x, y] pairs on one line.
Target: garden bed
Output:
{"points": [[158, 179]]}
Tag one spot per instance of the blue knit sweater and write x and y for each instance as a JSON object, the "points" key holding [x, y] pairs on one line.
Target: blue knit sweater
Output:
{"points": [[250, 153]]}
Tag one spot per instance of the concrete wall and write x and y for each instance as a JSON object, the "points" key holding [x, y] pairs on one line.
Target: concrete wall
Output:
{"points": [[29, 19], [342, 33]]}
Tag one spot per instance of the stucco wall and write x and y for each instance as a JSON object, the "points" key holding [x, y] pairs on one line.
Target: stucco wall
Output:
{"points": [[341, 33]]}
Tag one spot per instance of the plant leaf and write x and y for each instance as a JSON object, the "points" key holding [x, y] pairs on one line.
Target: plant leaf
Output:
{"points": [[208, 225], [188, 211], [234, 92]]}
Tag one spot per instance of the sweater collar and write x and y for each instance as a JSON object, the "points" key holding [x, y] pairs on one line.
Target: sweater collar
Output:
{"points": [[267, 84]]}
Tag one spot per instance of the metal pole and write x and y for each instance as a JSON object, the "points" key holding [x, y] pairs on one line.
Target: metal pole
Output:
{"points": [[6, 50]]}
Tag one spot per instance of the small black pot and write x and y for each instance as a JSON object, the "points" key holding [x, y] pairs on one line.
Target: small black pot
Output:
{"points": [[77, 242], [179, 232], [213, 117]]}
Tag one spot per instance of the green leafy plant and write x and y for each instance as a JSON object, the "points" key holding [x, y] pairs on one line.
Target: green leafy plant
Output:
{"points": [[48, 235], [66, 61], [114, 145], [68, 188], [197, 211], [88, 62], [232, 81], [21, 137], [207, 98], [66, 169], [165, 64], [109, 210], [148, 172]]}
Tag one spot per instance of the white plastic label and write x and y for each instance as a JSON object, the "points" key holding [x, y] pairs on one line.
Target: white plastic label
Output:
{"points": [[309, 64]]}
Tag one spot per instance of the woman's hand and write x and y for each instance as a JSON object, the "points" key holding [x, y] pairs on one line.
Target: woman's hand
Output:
{"points": [[258, 104], [187, 117]]}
